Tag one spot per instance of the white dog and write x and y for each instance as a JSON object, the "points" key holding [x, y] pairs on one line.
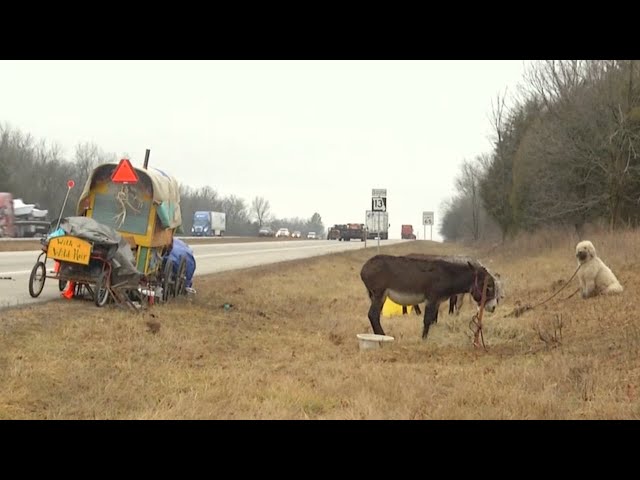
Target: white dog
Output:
{"points": [[594, 276]]}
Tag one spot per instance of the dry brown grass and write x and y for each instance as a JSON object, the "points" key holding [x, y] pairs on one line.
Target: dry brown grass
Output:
{"points": [[20, 246], [287, 349]]}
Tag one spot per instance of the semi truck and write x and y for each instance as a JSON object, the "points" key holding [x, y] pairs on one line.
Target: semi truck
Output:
{"points": [[406, 232], [19, 219], [377, 224], [209, 224]]}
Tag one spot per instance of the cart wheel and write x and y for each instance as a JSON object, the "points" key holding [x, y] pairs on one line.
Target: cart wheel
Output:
{"points": [[37, 278], [168, 280], [101, 292], [181, 278], [62, 284]]}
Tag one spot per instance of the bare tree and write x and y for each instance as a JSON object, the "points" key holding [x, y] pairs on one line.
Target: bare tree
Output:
{"points": [[261, 209], [315, 224], [468, 185], [496, 184], [236, 211], [591, 139]]}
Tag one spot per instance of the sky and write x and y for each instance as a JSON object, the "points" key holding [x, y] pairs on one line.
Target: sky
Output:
{"points": [[308, 136]]}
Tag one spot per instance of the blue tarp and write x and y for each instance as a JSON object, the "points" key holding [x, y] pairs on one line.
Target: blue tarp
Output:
{"points": [[179, 250]]}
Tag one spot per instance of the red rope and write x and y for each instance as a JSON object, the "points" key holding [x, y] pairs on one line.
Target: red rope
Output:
{"points": [[477, 318]]}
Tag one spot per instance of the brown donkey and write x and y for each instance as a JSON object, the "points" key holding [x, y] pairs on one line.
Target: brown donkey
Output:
{"points": [[410, 280]]}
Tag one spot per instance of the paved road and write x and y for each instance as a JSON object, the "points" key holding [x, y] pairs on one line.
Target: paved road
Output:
{"points": [[210, 258], [31, 239]]}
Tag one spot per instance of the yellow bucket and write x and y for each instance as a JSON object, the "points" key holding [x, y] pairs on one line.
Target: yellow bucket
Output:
{"points": [[391, 308]]}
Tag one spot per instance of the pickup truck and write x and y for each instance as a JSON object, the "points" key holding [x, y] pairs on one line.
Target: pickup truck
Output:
{"points": [[347, 232]]}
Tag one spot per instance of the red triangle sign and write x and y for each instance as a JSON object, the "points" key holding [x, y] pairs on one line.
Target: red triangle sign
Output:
{"points": [[124, 173]]}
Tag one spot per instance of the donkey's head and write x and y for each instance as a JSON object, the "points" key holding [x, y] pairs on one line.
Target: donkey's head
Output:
{"points": [[495, 291]]}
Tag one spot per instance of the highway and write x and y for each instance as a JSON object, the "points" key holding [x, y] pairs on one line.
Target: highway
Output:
{"points": [[15, 267]]}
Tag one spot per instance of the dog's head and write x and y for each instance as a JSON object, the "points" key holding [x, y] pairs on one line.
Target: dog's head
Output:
{"points": [[585, 251]]}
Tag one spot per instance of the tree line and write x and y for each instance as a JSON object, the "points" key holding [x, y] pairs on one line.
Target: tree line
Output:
{"points": [[37, 172], [564, 152]]}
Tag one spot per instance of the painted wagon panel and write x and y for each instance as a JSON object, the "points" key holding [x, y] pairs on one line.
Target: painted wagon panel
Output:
{"points": [[145, 213]]}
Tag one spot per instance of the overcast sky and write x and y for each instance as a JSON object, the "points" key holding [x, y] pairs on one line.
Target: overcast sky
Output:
{"points": [[309, 136]]}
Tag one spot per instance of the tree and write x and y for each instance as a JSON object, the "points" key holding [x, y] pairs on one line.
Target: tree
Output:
{"points": [[495, 186], [468, 185], [237, 216], [315, 224], [260, 208]]}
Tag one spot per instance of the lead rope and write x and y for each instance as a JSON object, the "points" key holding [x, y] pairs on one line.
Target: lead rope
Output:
{"points": [[476, 320], [520, 310]]}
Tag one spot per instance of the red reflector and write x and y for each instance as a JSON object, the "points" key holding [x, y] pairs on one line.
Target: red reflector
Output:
{"points": [[124, 173]]}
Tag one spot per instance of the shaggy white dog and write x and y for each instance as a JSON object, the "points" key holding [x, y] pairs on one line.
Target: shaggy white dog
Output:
{"points": [[594, 276]]}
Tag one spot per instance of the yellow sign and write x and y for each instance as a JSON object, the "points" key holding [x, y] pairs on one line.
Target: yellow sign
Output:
{"points": [[69, 249]]}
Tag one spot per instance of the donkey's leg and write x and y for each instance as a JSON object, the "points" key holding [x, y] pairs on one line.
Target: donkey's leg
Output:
{"points": [[430, 316], [452, 304], [416, 308], [374, 314], [459, 302]]}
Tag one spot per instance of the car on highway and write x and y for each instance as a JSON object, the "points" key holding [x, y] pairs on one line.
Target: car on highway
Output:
{"points": [[312, 235], [283, 232], [265, 232], [296, 234]]}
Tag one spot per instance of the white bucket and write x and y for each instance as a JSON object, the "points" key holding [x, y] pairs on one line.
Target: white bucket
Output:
{"points": [[368, 341]]}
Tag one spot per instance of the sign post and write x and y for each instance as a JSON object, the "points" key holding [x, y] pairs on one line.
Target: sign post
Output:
{"points": [[378, 204], [366, 228], [427, 219]]}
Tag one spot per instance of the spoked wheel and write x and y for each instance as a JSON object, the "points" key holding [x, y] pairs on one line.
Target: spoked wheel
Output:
{"points": [[168, 280], [181, 278], [37, 278], [101, 292]]}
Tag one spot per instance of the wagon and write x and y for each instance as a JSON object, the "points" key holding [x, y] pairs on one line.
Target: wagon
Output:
{"points": [[118, 244]]}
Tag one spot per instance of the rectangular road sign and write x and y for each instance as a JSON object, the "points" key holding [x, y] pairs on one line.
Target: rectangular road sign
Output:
{"points": [[379, 192], [379, 204], [427, 218]]}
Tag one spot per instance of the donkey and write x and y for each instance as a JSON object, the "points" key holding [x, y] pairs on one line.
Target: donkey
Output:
{"points": [[413, 280], [455, 301]]}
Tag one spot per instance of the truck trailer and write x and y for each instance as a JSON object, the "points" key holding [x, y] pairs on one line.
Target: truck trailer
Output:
{"points": [[377, 224], [209, 224]]}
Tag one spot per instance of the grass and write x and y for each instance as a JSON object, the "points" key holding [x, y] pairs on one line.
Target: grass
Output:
{"points": [[287, 348]]}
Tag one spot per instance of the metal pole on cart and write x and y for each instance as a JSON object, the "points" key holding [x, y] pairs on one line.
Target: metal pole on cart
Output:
{"points": [[70, 185], [146, 159]]}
